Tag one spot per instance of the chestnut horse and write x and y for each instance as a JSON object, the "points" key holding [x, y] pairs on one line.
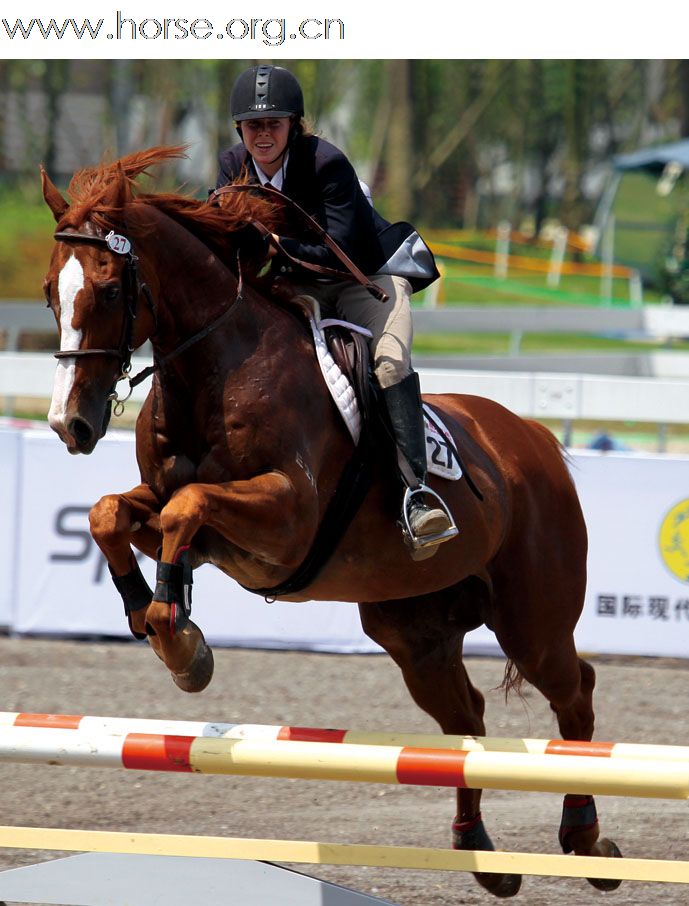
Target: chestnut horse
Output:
{"points": [[241, 449]]}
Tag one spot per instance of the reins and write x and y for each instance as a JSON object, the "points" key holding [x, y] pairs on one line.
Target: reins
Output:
{"points": [[134, 287], [351, 272], [196, 338]]}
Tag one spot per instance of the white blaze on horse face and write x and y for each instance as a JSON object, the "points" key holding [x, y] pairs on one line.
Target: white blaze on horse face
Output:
{"points": [[69, 284]]}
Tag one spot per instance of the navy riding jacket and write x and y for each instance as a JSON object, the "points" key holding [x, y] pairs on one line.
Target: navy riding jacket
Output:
{"points": [[320, 178]]}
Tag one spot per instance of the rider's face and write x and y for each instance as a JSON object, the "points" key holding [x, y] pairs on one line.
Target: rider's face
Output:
{"points": [[266, 141]]}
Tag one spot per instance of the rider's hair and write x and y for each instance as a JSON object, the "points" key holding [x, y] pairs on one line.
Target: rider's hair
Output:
{"points": [[303, 128]]}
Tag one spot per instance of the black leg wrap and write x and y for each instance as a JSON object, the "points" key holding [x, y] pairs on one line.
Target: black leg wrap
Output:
{"points": [[173, 586], [471, 835], [578, 813], [135, 593]]}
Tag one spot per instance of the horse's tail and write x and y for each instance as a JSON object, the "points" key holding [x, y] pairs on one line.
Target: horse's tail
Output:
{"points": [[512, 680]]}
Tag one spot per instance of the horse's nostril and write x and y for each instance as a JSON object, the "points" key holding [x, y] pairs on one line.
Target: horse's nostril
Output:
{"points": [[81, 431]]}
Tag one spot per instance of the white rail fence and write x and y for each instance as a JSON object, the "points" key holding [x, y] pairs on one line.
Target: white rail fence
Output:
{"points": [[535, 393], [566, 397], [648, 321]]}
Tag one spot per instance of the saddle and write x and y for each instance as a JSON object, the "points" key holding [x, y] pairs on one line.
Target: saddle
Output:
{"points": [[350, 352]]}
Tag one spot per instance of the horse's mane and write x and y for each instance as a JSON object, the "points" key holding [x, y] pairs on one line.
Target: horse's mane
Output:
{"points": [[104, 194]]}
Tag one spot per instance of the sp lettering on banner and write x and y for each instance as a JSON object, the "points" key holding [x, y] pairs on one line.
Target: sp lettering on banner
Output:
{"points": [[76, 545]]}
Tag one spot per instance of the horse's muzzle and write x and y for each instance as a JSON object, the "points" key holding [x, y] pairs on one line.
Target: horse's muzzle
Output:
{"points": [[83, 435], [78, 432]]}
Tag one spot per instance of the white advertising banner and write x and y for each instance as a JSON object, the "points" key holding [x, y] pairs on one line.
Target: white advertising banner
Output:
{"points": [[63, 585], [636, 508], [637, 513], [9, 515]]}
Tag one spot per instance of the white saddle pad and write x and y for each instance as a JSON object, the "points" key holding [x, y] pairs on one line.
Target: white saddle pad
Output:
{"points": [[441, 460]]}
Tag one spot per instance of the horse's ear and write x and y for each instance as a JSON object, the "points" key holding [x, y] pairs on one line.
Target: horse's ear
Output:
{"points": [[57, 204], [118, 192]]}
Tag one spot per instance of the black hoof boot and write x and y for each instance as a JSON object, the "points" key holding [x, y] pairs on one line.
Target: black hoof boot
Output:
{"points": [[472, 836]]}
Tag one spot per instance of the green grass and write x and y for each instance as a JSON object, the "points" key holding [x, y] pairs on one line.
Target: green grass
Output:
{"points": [[464, 288], [26, 230], [467, 283], [535, 343], [645, 220]]}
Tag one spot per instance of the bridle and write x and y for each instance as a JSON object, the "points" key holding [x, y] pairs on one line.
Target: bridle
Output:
{"points": [[133, 288]]}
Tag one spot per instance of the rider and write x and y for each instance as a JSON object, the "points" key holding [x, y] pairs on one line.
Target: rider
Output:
{"points": [[267, 107]]}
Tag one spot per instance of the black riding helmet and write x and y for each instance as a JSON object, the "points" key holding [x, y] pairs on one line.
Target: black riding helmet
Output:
{"points": [[265, 91]]}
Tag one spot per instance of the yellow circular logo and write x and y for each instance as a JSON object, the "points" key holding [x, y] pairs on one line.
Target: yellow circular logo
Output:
{"points": [[674, 541]]}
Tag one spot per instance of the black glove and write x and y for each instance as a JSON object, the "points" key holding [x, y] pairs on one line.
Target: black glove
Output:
{"points": [[251, 243]]}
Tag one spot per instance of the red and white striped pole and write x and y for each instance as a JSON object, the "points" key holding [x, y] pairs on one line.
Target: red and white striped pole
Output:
{"points": [[120, 726]]}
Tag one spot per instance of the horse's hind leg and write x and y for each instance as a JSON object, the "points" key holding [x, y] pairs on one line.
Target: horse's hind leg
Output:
{"points": [[567, 683], [424, 637]]}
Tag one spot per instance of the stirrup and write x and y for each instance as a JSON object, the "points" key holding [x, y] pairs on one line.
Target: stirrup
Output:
{"points": [[419, 543]]}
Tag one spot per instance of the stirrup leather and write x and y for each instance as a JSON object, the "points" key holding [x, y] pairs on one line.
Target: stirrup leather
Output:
{"points": [[418, 543]]}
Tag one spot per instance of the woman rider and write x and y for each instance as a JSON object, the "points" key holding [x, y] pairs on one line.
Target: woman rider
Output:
{"points": [[267, 107]]}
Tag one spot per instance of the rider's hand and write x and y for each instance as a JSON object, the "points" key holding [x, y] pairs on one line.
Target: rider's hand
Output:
{"points": [[252, 243]]}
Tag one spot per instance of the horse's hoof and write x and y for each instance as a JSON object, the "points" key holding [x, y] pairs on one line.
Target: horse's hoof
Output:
{"points": [[199, 672], [607, 848], [473, 836], [502, 886]]}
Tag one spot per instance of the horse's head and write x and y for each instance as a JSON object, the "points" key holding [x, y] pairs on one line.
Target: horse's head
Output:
{"points": [[94, 288], [95, 293]]}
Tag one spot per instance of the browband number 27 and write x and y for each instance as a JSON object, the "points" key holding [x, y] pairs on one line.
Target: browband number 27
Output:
{"points": [[118, 243]]}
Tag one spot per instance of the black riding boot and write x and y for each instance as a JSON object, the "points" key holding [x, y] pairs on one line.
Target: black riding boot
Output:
{"points": [[428, 525]]}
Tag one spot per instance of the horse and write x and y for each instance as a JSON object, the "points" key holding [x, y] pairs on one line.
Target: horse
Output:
{"points": [[241, 450]]}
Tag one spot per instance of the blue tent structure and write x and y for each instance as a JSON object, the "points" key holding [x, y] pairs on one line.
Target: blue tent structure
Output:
{"points": [[654, 160]]}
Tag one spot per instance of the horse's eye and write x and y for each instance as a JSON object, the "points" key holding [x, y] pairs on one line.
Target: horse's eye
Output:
{"points": [[111, 292]]}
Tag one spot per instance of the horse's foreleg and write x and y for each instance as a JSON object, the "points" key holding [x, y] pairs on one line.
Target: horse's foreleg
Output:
{"points": [[117, 521], [259, 515]]}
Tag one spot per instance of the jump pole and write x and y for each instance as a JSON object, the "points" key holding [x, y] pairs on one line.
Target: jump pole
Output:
{"points": [[120, 726], [317, 853], [582, 774]]}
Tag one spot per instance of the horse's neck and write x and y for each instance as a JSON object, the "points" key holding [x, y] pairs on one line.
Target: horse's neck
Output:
{"points": [[194, 290], [191, 287]]}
